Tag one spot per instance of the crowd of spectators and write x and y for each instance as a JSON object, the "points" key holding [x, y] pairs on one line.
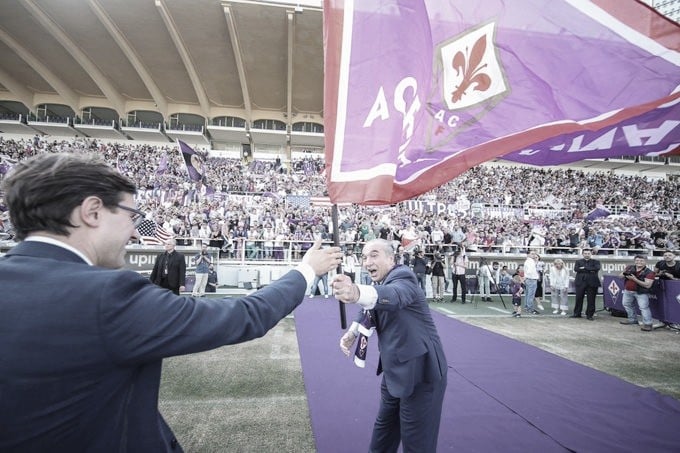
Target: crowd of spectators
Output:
{"points": [[245, 205]]}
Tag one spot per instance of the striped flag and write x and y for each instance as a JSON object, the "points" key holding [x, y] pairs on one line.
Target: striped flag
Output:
{"points": [[298, 201], [306, 201], [153, 234]]}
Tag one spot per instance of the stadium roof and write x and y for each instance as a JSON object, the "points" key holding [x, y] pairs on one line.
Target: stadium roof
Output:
{"points": [[201, 59]]}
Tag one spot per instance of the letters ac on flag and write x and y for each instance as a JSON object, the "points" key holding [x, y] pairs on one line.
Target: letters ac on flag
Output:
{"points": [[418, 91]]}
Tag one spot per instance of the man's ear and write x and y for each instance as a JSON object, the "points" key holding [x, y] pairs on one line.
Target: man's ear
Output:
{"points": [[89, 211]]}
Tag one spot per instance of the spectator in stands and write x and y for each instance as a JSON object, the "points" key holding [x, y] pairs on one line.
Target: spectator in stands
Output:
{"points": [[638, 280], [104, 342], [458, 236], [160, 173], [574, 239], [254, 243], [586, 282], [559, 287]]}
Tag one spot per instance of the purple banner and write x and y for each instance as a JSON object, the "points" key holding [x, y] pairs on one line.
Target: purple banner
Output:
{"points": [[417, 92], [664, 302]]}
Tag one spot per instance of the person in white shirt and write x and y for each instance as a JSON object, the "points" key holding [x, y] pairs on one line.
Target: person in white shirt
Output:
{"points": [[559, 287], [484, 280], [530, 282]]}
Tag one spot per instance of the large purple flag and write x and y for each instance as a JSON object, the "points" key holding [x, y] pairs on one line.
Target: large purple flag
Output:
{"points": [[418, 91], [193, 161]]}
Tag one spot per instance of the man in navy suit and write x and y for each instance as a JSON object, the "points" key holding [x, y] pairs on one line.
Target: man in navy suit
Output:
{"points": [[411, 354], [82, 346]]}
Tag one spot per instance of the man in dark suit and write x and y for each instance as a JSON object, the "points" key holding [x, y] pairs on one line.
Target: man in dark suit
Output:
{"points": [[411, 354], [586, 282], [169, 270], [83, 345]]}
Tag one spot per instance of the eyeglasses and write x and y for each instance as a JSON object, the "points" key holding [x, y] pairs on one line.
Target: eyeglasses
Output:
{"points": [[138, 216]]}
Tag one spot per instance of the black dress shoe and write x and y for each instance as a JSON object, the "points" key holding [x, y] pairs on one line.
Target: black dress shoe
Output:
{"points": [[590, 318], [575, 316]]}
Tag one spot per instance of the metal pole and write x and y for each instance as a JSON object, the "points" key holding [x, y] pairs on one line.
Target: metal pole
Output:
{"points": [[336, 242]]}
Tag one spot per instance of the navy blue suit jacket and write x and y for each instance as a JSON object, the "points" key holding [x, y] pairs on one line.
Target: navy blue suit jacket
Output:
{"points": [[82, 346], [410, 349]]}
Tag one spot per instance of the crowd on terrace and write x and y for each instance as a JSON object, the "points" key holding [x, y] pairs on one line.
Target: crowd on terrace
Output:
{"points": [[247, 207]]}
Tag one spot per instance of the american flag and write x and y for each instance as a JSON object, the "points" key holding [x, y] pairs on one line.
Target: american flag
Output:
{"points": [[152, 234]]}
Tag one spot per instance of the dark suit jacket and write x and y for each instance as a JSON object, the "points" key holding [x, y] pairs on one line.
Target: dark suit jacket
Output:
{"points": [[587, 273], [82, 348], [176, 270], [410, 349]]}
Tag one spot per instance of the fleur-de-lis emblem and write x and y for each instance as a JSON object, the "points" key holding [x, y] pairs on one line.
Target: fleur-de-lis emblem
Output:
{"points": [[469, 67]]}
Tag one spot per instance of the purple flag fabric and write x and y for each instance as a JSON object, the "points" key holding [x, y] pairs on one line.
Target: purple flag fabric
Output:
{"points": [[162, 165], [597, 213], [193, 161], [417, 92]]}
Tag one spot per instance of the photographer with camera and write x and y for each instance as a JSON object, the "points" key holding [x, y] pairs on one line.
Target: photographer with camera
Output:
{"points": [[437, 278], [638, 281], [203, 262], [420, 267], [668, 268]]}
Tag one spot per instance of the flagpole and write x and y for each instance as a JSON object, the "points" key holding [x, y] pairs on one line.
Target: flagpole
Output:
{"points": [[336, 242]]}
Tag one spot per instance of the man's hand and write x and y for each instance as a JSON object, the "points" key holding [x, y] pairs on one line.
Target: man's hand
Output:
{"points": [[346, 342], [344, 290], [322, 260]]}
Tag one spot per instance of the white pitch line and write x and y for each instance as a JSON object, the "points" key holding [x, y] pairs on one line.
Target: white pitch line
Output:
{"points": [[447, 311], [502, 310]]}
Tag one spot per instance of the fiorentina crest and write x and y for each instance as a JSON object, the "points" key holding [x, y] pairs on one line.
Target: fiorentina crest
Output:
{"points": [[471, 69]]}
